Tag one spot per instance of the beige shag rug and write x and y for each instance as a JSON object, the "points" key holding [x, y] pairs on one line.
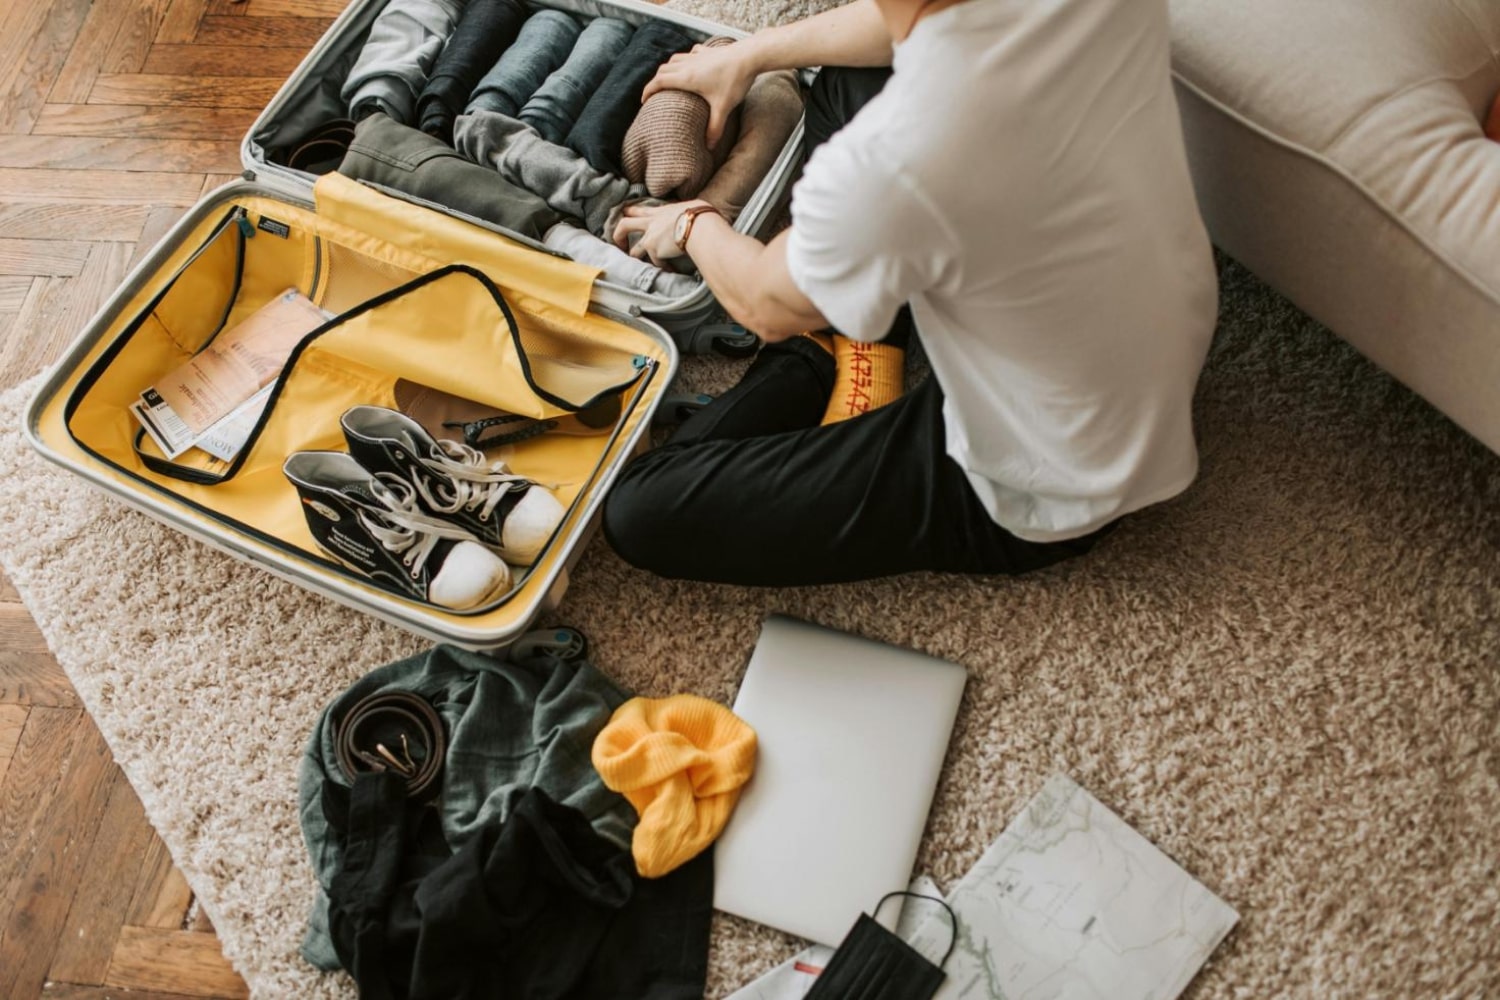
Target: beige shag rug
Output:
{"points": [[1288, 678]]}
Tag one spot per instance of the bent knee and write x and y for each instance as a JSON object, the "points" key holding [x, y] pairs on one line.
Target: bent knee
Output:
{"points": [[636, 517]]}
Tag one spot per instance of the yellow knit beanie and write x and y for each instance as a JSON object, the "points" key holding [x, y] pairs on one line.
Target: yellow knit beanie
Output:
{"points": [[681, 762]]}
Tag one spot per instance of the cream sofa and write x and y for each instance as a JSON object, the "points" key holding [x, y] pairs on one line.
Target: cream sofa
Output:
{"points": [[1337, 151]]}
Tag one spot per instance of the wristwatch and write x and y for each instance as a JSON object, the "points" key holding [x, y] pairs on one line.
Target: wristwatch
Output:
{"points": [[684, 227]]}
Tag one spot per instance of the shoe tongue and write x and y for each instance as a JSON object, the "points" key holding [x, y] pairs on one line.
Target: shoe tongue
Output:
{"points": [[413, 443]]}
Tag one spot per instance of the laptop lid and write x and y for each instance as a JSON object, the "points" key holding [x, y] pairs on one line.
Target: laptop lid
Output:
{"points": [[852, 735]]}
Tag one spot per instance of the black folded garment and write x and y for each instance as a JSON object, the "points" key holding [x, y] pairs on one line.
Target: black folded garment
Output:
{"points": [[599, 132], [485, 30], [539, 907]]}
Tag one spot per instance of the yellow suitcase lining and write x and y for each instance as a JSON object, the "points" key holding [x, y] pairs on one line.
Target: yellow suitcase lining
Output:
{"points": [[414, 301]]}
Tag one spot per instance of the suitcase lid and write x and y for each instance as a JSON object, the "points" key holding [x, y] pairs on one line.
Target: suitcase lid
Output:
{"points": [[299, 95]]}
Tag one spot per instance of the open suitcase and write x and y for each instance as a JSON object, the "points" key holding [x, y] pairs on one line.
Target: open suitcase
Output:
{"points": [[417, 293]]}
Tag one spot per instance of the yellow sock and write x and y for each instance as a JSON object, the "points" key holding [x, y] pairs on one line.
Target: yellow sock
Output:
{"points": [[869, 376]]}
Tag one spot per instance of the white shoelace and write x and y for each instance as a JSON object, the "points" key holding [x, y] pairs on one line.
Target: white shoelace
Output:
{"points": [[464, 481], [402, 527]]}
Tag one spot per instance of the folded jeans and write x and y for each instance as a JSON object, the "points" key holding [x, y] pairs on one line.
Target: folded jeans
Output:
{"points": [[403, 44], [545, 41], [556, 104], [600, 130]]}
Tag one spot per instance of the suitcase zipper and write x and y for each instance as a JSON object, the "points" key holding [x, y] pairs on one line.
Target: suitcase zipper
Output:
{"points": [[97, 370], [317, 275]]}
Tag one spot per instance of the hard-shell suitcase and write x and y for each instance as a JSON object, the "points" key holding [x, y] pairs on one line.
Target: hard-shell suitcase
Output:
{"points": [[311, 96], [418, 294]]}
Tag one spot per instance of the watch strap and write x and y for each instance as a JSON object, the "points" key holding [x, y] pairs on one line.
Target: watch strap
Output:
{"points": [[691, 215]]}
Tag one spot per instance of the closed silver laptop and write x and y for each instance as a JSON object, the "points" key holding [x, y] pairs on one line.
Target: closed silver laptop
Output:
{"points": [[852, 735]]}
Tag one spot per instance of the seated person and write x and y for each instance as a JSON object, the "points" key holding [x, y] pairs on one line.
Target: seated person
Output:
{"points": [[1017, 177]]}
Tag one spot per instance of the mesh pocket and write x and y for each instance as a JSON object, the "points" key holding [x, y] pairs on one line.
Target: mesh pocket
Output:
{"points": [[352, 277], [571, 362]]}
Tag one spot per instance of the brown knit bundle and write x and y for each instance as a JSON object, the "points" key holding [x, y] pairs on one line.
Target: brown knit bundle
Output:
{"points": [[768, 116], [667, 145]]}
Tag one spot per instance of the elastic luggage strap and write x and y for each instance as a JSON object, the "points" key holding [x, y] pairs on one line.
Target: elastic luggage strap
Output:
{"points": [[202, 477]]}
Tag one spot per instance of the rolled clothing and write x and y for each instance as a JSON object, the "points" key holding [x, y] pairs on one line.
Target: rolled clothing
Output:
{"points": [[666, 146], [600, 130], [545, 41], [612, 221], [682, 264], [555, 106], [487, 28], [319, 151], [768, 116], [618, 266], [511, 727], [415, 163], [403, 44], [563, 178]]}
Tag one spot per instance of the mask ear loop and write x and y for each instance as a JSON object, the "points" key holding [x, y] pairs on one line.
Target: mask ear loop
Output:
{"points": [[952, 917]]}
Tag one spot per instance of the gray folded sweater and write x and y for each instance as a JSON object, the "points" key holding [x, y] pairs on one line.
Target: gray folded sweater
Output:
{"points": [[562, 178]]}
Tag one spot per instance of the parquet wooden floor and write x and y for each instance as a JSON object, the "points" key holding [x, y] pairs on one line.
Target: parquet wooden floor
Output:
{"points": [[116, 115]]}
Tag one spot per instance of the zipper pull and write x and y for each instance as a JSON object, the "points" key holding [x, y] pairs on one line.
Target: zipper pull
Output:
{"points": [[243, 220]]}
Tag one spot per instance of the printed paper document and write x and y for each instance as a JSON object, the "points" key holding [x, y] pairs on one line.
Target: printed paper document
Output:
{"points": [[1070, 903]]}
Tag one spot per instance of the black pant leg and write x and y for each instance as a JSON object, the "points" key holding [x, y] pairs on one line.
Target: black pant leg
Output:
{"points": [[869, 497], [838, 92], [786, 388]]}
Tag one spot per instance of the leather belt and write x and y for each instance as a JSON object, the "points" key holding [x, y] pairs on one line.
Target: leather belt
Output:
{"points": [[321, 151], [393, 731]]}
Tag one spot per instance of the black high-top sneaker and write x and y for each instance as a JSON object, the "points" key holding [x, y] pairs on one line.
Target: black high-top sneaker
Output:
{"points": [[378, 529], [507, 512]]}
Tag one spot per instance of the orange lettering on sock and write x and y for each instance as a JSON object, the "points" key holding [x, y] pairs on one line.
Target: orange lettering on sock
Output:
{"points": [[858, 400]]}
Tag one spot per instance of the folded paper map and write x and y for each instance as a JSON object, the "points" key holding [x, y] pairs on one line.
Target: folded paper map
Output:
{"points": [[1070, 903]]}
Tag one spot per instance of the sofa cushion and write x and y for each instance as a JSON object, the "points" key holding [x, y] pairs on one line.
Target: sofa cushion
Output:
{"points": [[1338, 150]]}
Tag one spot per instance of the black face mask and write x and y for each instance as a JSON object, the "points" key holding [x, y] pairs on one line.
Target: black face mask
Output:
{"points": [[874, 964]]}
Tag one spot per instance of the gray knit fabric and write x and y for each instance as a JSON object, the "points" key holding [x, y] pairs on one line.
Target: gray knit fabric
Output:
{"points": [[560, 176]]}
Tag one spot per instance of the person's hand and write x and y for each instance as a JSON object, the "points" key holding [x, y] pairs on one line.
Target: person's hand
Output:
{"points": [[721, 75], [657, 226]]}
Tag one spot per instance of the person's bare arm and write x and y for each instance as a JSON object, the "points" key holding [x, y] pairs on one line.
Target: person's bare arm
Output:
{"points": [[751, 281], [749, 278], [852, 35]]}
